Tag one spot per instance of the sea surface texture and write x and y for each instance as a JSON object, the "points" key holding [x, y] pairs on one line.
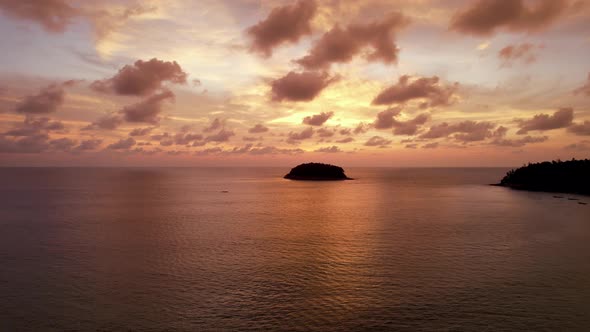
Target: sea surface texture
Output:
{"points": [[237, 249]]}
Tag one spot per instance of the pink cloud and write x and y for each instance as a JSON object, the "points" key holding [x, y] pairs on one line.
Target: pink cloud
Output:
{"points": [[424, 88], [317, 119]]}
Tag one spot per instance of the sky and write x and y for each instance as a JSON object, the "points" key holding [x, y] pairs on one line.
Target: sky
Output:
{"points": [[406, 83]]}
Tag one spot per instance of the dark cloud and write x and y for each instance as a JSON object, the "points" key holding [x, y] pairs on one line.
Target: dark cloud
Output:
{"points": [[317, 119], [582, 129], [361, 128], [222, 136], [377, 141], [298, 136], [286, 24], [519, 142], [142, 78], [325, 132], [62, 144], [110, 122], [36, 143], [385, 118], [581, 146], [304, 86], [560, 119], [341, 45], [141, 131], [465, 131], [33, 126], [251, 139], [329, 149], [216, 124], [511, 53], [147, 110], [186, 138], [345, 140], [432, 145], [584, 89], [122, 144], [258, 128], [485, 17], [53, 15], [425, 88], [48, 100], [90, 144], [411, 126], [274, 150]]}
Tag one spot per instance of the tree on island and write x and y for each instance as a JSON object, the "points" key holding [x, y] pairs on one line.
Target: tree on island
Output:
{"points": [[571, 176], [317, 172]]}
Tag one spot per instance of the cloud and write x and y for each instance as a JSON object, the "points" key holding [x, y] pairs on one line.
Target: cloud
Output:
{"points": [[465, 131], [519, 142], [432, 145], [33, 126], [329, 149], [286, 24], [62, 144], [187, 138], [411, 126], [341, 45], [345, 140], [512, 53], [377, 141], [581, 146], [385, 118], [141, 131], [29, 144], [325, 132], [425, 88], [53, 15], [317, 119], [584, 89], [147, 110], [292, 137], [122, 144], [90, 144], [560, 119], [582, 129], [304, 86], [222, 136], [361, 128], [109, 122], [48, 100], [214, 125], [258, 128], [485, 17], [142, 78]]}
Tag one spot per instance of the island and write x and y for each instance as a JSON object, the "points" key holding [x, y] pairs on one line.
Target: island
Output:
{"points": [[571, 176], [317, 172]]}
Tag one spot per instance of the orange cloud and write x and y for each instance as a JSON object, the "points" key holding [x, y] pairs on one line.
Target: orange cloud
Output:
{"points": [[53, 15], [511, 53]]}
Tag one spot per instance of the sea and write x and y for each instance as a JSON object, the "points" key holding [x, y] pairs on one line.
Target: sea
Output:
{"points": [[242, 249]]}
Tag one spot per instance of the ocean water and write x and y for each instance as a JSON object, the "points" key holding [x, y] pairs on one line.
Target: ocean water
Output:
{"points": [[241, 249]]}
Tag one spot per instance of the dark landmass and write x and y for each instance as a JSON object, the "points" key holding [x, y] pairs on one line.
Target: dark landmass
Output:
{"points": [[552, 176], [317, 172]]}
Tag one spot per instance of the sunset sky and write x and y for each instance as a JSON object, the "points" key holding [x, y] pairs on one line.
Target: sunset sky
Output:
{"points": [[271, 82]]}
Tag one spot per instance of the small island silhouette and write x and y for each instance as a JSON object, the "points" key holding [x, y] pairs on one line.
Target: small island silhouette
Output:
{"points": [[571, 176], [317, 172]]}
